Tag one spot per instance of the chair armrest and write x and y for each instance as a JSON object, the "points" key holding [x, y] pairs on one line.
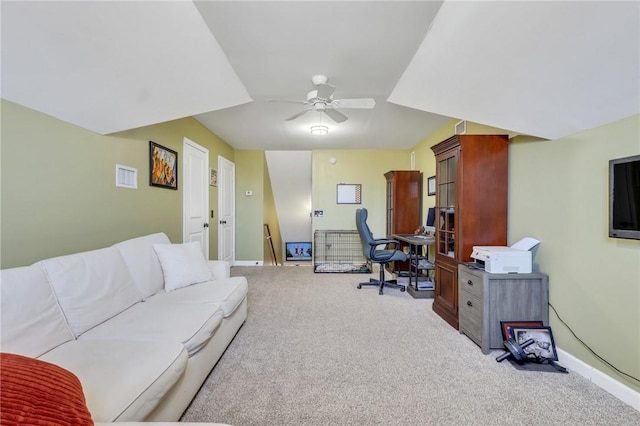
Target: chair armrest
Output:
{"points": [[220, 269], [383, 241], [382, 255]]}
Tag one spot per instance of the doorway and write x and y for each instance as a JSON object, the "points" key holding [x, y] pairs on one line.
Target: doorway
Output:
{"points": [[195, 195], [226, 210]]}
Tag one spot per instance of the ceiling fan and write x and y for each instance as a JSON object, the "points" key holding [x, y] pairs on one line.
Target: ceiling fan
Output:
{"points": [[321, 100]]}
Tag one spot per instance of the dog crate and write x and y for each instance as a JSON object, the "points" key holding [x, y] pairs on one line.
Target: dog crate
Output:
{"points": [[339, 251]]}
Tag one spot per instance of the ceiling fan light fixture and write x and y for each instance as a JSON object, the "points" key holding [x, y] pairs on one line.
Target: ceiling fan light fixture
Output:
{"points": [[319, 130]]}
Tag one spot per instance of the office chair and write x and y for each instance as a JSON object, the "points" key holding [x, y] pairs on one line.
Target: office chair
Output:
{"points": [[382, 256]]}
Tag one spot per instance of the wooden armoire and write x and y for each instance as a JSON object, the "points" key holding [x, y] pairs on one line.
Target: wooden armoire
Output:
{"points": [[403, 206], [471, 208]]}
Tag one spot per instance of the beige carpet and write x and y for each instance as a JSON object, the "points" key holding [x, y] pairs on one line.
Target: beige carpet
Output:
{"points": [[317, 351]]}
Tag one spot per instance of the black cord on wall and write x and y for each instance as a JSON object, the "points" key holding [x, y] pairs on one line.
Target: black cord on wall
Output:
{"points": [[591, 350]]}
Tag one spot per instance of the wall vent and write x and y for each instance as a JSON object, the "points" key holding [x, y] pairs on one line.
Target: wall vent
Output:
{"points": [[126, 177], [461, 127]]}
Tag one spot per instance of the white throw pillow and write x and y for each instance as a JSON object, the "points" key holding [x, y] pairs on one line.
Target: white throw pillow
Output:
{"points": [[182, 264]]}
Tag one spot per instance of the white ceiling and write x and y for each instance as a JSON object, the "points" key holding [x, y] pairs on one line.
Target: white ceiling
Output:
{"points": [[547, 69]]}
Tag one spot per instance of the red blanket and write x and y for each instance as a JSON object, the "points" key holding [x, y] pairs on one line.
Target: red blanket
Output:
{"points": [[34, 392]]}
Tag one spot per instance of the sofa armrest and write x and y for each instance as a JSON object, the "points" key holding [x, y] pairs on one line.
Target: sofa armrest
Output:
{"points": [[220, 269]]}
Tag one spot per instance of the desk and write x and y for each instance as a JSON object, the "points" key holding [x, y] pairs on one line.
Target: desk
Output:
{"points": [[417, 262]]}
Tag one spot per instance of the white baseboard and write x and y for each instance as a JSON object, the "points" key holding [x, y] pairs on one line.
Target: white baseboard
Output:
{"points": [[614, 387], [248, 263]]}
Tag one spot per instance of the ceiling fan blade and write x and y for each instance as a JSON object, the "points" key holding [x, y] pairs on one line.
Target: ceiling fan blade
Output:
{"points": [[325, 91], [287, 101], [336, 116], [294, 116], [355, 103]]}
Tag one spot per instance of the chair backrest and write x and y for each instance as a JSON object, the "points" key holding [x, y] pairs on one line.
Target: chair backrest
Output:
{"points": [[366, 236]]}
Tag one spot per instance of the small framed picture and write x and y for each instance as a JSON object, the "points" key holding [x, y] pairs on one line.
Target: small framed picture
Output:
{"points": [[163, 166], [349, 193], [431, 185], [543, 346], [213, 177], [505, 326]]}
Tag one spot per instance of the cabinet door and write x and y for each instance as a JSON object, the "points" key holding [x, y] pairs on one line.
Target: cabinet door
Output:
{"points": [[390, 201], [446, 203], [445, 302]]}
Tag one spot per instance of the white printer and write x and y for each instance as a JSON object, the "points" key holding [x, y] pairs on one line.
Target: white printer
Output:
{"points": [[516, 259]]}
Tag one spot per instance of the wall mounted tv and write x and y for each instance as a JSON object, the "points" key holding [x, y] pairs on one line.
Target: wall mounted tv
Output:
{"points": [[298, 251], [624, 197]]}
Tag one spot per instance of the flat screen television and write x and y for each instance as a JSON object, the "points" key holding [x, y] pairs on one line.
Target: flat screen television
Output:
{"points": [[624, 197], [298, 251]]}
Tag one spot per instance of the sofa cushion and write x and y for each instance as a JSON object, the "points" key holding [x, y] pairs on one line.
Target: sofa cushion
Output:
{"points": [[182, 264], [123, 380], [143, 262], [34, 392], [187, 323], [32, 322], [91, 286], [228, 293]]}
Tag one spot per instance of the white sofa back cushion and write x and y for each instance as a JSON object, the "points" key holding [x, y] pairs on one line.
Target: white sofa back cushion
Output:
{"points": [[182, 264], [91, 286], [143, 262], [32, 322]]}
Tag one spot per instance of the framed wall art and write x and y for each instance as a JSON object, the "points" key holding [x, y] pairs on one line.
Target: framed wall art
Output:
{"points": [[348, 193], [431, 185], [163, 166]]}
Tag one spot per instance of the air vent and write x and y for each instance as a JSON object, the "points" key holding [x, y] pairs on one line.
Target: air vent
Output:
{"points": [[126, 177], [461, 127]]}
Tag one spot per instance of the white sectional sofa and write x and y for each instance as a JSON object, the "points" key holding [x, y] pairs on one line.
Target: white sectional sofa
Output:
{"points": [[141, 323]]}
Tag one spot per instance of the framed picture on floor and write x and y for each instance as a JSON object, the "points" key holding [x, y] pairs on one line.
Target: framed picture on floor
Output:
{"points": [[543, 346], [505, 326]]}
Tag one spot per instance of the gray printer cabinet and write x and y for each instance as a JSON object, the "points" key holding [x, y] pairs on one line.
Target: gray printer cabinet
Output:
{"points": [[486, 299]]}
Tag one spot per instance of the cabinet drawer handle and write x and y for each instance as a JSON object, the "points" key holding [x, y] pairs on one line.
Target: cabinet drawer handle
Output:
{"points": [[469, 303], [469, 282]]}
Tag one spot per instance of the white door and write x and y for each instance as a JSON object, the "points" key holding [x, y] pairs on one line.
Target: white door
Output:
{"points": [[227, 208], [195, 199]]}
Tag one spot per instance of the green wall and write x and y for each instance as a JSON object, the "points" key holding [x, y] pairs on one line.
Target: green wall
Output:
{"points": [[250, 176], [558, 193], [366, 167], [58, 185]]}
